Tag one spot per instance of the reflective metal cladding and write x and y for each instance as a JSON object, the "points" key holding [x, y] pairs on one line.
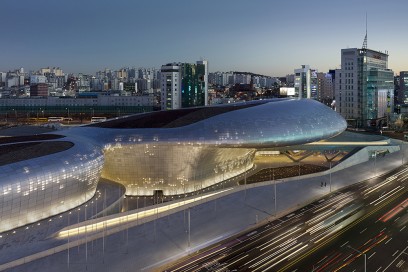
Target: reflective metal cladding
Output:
{"points": [[175, 151]]}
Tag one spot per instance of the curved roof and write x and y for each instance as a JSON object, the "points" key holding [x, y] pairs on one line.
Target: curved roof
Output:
{"points": [[172, 118], [257, 123], [265, 123]]}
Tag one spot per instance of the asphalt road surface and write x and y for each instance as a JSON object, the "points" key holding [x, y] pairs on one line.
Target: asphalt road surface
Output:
{"points": [[360, 228]]}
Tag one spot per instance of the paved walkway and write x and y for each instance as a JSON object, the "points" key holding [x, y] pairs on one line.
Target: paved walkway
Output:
{"points": [[147, 246]]}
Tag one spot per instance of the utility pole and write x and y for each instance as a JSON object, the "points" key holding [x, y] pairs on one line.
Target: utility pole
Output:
{"points": [[275, 197], [245, 180], [68, 237], [330, 177], [189, 229], [86, 239]]}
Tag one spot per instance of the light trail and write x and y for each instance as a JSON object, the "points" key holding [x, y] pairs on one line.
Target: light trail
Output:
{"points": [[280, 256], [394, 211], [284, 250], [385, 196]]}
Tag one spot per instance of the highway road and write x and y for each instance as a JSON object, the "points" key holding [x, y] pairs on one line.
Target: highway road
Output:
{"points": [[360, 228]]}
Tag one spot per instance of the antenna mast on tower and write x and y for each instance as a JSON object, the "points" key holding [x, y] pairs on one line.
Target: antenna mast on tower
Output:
{"points": [[365, 39]]}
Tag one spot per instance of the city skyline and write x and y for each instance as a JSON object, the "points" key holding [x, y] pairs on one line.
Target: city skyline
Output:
{"points": [[258, 36]]}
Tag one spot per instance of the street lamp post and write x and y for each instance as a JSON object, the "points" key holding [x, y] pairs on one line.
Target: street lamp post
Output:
{"points": [[68, 239], [189, 229], [275, 196], [68, 114], [299, 167], [375, 163], [86, 239], [330, 178], [137, 205], [245, 179], [365, 256], [78, 228], [127, 224], [104, 228]]}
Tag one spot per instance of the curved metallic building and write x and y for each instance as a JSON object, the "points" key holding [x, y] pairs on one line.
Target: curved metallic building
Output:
{"points": [[175, 152], [40, 187]]}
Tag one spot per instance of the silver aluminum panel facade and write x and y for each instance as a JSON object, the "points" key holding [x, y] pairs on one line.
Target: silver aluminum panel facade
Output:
{"points": [[174, 160]]}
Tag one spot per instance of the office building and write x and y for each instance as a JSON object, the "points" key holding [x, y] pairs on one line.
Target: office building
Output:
{"points": [[364, 88], [3, 76], [35, 79], [306, 82], [205, 79], [403, 88], [325, 87], [184, 85], [12, 81], [219, 78], [39, 89]]}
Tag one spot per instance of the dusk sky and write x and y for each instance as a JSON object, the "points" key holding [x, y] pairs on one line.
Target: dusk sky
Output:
{"points": [[260, 36]]}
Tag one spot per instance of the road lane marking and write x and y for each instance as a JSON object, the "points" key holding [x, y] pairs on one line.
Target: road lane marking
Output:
{"points": [[344, 244], [238, 260], [403, 228], [348, 257], [395, 253], [400, 263], [399, 189], [388, 240], [325, 257], [371, 255], [395, 259], [378, 269], [363, 230]]}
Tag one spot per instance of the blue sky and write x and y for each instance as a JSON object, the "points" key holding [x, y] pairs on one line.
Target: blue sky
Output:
{"points": [[262, 36]]}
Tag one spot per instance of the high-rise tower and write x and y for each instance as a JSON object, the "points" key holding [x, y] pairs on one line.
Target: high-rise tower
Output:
{"points": [[184, 85], [364, 86], [306, 82]]}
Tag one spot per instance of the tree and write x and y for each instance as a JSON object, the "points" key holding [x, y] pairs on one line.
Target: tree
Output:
{"points": [[399, 123]]}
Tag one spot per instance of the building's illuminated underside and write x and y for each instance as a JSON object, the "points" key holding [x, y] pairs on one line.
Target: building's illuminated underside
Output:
{"points": [[174, 152]]}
